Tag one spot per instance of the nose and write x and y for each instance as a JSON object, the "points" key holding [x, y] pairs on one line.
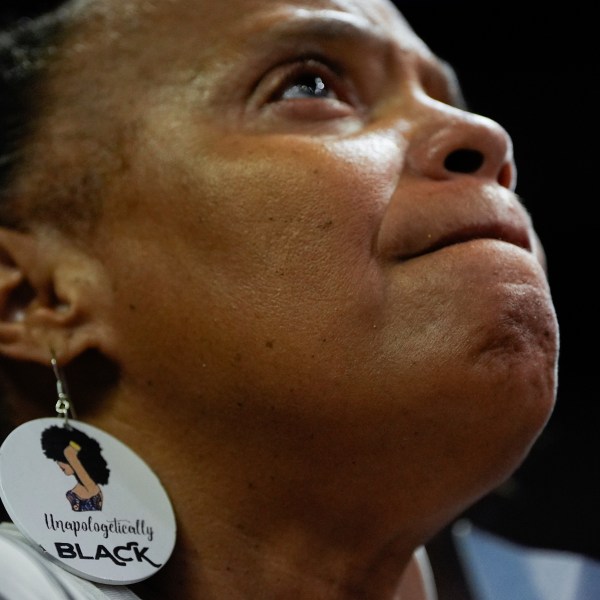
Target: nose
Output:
{"points": [[456, 143]]}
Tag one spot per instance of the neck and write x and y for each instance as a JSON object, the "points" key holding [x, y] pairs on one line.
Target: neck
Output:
{"points": [[253, 541], [256, 526], [223, 561]]}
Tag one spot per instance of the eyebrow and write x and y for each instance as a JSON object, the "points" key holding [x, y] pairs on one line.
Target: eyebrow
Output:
{"points": [[329, 25], [325, 24]]}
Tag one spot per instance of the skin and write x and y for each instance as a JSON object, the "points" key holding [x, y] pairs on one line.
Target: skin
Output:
{"points": [[86, 486], [328, 343], [66, 468]]}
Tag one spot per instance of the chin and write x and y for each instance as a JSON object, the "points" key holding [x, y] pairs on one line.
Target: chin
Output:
{"points": [[499, 390], [517, 391]]}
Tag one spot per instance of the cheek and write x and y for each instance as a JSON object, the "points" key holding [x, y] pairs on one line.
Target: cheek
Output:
{"points": [[271, 206], [256, 242], [299, 200], [295, 224]]}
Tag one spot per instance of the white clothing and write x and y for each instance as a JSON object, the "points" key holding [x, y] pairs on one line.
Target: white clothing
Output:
{"points": [[26, 575]]}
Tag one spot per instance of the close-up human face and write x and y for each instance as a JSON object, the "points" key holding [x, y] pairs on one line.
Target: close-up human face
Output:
{"points": [[320, 243]]}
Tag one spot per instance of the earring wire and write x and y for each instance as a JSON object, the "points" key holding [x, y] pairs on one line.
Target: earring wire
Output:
{"points": [[64, 406]]}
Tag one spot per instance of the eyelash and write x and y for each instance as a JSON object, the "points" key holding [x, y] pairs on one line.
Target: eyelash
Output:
{"points": [[337, 89]]}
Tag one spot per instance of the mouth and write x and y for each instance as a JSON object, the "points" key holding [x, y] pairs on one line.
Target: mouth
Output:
{"points": [[432, 222], [501, 232]]}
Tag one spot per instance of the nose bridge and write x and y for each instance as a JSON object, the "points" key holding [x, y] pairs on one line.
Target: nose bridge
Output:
{"points": [[448, 143]]}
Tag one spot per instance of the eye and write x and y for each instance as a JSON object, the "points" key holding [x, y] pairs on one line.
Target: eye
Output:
{"points": [[310, 88], [308, 85]]}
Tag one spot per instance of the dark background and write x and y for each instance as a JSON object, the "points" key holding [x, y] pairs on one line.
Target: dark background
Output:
{"points": [[536, 72]]}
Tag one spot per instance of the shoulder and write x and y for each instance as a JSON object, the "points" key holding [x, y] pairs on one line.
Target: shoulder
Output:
{"points": [[22, 568]]}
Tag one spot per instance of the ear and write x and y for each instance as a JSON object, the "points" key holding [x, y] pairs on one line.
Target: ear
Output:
{"points": [[51, 297]]}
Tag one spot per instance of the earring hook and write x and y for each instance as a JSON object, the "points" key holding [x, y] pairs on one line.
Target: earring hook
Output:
{"points": [[63, 404]]}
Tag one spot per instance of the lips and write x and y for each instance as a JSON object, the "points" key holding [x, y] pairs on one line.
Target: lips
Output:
{"points": [[430, 221], [503, 232]]}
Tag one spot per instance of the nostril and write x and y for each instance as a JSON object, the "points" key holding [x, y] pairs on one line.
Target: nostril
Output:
{"points": [[464, 160]]}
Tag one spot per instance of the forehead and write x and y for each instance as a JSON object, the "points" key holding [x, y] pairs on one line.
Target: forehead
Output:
{"points": [[229, 12], [232, 23], [118, 44]]}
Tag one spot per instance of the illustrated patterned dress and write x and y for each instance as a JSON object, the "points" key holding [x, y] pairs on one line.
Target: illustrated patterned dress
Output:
{"points": [[81, 504]]}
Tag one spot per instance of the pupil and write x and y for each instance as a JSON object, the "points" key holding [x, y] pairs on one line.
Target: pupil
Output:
{"points": [[307, 85]]}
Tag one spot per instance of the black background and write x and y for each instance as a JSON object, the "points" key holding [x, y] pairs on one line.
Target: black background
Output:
{"points": [[536, 72]]}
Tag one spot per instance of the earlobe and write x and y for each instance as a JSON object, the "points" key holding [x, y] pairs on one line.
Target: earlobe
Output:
{"points": [[45, 283]]}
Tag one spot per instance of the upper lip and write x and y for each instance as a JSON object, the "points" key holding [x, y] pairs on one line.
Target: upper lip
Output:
{"points": [[434, 221]]}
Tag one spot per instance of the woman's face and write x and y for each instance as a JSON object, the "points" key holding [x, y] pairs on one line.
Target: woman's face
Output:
{"points": [[307, 231], [66, 468]]}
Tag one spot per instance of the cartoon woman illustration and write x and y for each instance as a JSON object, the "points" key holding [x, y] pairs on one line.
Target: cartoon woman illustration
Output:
{"points": [[78, 454]]}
